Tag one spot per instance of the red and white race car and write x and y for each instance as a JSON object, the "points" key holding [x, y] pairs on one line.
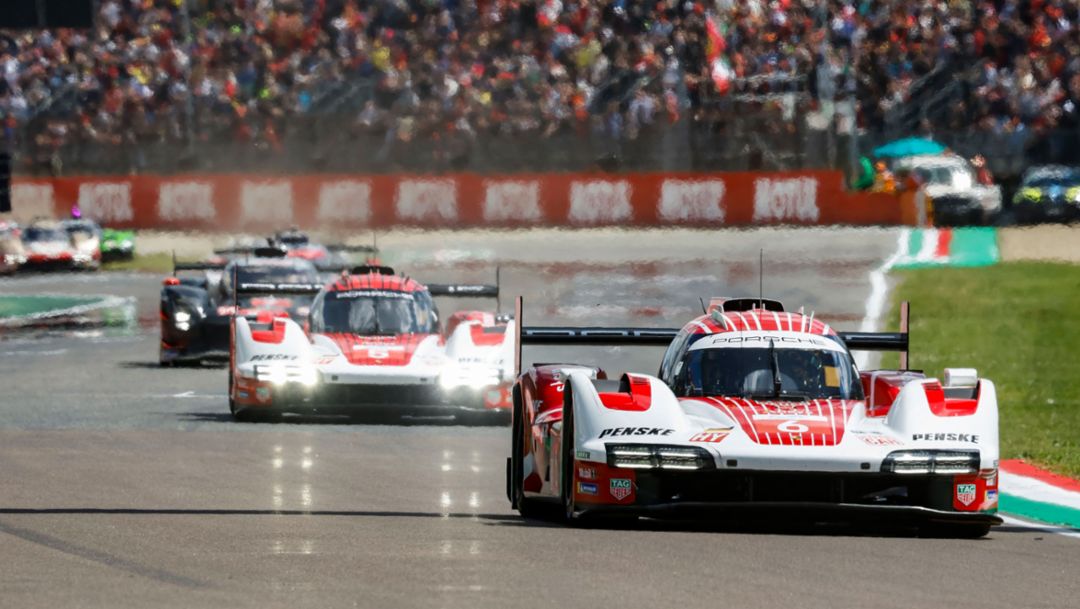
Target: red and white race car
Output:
{"points": [[72, 244], [755, 409], [374, 340]]}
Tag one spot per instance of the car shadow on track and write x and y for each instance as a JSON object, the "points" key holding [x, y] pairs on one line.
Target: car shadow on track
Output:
{"points": [[253, 512], [550, 516], [394, 420]]}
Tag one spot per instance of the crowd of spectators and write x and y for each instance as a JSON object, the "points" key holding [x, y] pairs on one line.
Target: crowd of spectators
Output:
{"points": [[439, 75]]}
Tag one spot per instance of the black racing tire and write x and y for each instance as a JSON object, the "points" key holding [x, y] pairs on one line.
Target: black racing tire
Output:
{"points": [[941, 530], [249, 415], [567, 458], [527, 507], [232, 401]]}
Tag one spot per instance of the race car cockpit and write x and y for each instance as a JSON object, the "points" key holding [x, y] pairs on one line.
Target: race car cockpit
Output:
{"points": [[372, 313], [770, 372]]}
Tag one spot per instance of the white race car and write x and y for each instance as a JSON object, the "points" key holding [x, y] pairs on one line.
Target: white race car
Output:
{"points": [[755, 410], [374, 340]]}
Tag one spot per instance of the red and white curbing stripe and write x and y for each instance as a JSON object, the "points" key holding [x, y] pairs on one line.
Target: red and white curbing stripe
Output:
{"points": [[1034, 494]]}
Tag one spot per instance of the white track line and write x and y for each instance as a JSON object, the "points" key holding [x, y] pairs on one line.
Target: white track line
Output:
{"points": [[1040, 526], [879, 289]]}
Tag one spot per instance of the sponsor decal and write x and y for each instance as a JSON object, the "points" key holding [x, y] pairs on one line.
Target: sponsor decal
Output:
{"points": [[178, 201], [372, 293], [991, 494], [600, 201], [692, 200], [348, 200], [586, 473], [785, 199], [764, 339], [30, 200], [427, 200], [243, 394], [946, 437], [511, 200], [965, 493], [588, 488], [269, 357], [711, 435], [583, 454], [620, 488], [106, 201], [874, 438], [270, 202], [635, 431]]}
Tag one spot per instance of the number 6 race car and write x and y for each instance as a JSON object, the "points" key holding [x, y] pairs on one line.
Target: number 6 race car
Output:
{"points": [[373, 341], [754, 410]]}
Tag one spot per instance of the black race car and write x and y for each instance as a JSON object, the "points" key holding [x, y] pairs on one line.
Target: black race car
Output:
{"points": [[195, 311], [1050, 193]]}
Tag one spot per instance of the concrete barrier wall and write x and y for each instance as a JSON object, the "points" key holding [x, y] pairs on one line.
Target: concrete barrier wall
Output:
{"points": [[241, 202]]}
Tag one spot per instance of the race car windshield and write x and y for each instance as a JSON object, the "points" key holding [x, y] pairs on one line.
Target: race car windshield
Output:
{"points": [[36, 233], [366, 313], [804, 374], [275, 275]]}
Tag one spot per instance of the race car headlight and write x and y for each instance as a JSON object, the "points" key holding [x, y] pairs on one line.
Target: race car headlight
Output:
{"points": [[938, 462], [182, 319], [1073, 194], [280, 374], [650, 456]]}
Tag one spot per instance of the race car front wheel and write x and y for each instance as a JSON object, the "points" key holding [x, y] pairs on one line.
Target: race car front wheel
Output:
{"points": [[567, 456], [525, 506]]}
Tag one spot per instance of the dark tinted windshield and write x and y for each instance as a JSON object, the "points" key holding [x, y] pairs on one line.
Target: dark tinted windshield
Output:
{"points": [[369, 313], [37, 233], [1064, 178], [804, 374], [281, 274]]}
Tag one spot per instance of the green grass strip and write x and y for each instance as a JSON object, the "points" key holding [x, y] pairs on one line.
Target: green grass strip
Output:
{"points": [[1017, 323], [1037, 510], [23, 306]]}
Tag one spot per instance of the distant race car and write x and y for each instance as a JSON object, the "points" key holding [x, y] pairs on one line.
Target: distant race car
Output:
{"points": [[374, 342], [12, 250], [1048, 193], [67, 245], [755, 411], [117, 244], [955, 193], [297, 244], [195, 312]]}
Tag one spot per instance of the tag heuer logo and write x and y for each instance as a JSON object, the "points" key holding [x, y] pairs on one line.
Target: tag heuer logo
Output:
{"points": [[620, 488], [965, 493]]}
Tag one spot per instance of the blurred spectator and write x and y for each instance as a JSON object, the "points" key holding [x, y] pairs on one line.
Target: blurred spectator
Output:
{"points": [[449, 73]]}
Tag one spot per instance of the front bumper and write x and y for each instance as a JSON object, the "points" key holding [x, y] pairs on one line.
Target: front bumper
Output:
{"points": [[956, 498], [1046, 210], [341, 398], [207, 340], [779, 511], [951, 210]]}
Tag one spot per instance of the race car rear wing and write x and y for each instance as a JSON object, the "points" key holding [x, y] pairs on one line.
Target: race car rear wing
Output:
{"points": [[661, 337], [201, 265], [468, 290], [278, 288]]}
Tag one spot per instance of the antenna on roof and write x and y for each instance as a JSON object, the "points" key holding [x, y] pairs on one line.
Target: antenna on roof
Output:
{"points": [[761, 278], [704, 310]]}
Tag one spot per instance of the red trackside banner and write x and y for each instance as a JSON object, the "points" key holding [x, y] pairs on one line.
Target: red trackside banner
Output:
{"points": [[248, 202]]}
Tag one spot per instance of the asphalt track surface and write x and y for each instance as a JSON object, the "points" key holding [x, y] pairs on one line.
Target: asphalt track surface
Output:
{"points": [[126, 485]]}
